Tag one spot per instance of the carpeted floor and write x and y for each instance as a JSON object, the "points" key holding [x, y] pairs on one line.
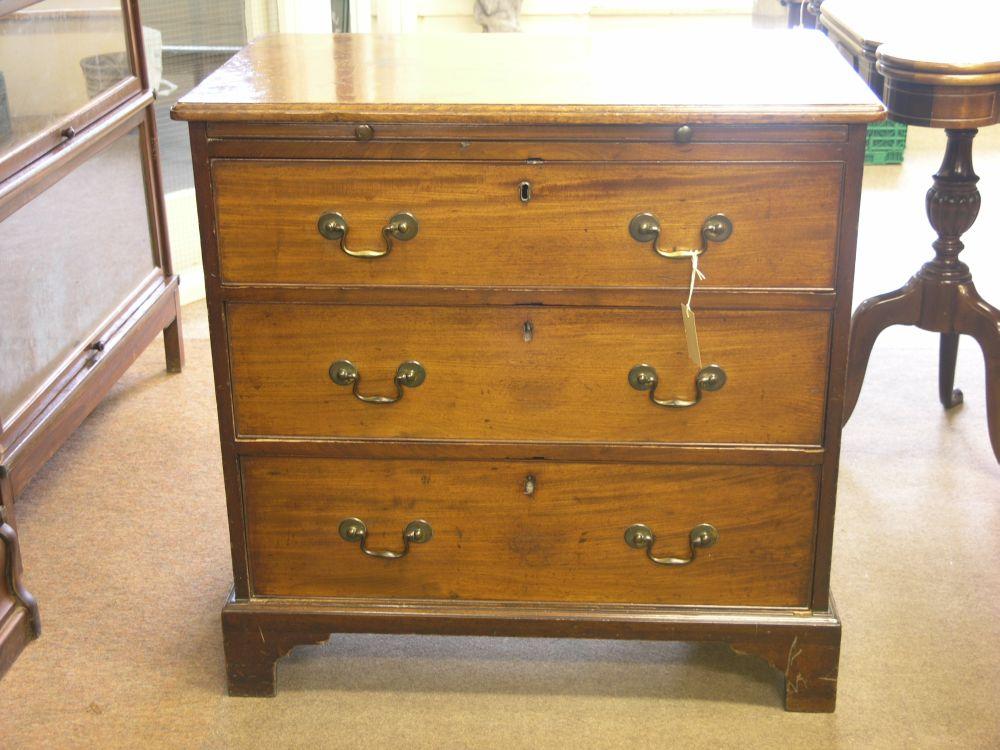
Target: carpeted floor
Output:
{"points": [[125, 546]]}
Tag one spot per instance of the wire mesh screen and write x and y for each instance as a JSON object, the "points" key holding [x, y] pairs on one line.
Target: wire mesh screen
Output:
{"points": [[193, 38]]}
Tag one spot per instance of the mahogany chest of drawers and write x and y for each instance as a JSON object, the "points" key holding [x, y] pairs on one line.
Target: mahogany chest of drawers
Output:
{"points": [[456, 392]]}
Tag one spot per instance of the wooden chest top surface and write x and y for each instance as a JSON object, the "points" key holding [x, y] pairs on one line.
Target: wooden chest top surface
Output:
{"points": [[521, 78]]}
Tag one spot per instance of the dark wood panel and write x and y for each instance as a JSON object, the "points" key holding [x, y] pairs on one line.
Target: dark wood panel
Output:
{"points": [[564, 541], [569, 383], [475, 231], [220, 356], [803, 646]]}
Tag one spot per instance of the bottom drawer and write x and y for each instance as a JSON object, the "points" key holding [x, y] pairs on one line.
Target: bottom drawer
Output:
{"points": [[530, 531]]}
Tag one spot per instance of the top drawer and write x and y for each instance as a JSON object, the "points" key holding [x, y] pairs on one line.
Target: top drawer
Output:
{"points": [[479, 226]]}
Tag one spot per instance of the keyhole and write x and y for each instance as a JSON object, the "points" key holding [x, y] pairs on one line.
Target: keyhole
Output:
{"points": [[529, 485], [529, 331], [524, 191]]}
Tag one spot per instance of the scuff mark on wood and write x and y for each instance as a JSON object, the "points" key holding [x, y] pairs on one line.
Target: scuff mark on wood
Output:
{"points": [[793, 684]]}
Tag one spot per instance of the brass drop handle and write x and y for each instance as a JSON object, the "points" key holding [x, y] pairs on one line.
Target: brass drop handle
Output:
{"points": [[403, 226], [355, 530], [702, 536], [409, 374], [645, 227], [644, 378]]}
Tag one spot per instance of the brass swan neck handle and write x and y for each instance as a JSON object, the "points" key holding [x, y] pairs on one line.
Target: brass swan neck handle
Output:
{"points": [[355, 530], [409, 374], [645, 227], [401, 227], [709, 378], [640, 536]]}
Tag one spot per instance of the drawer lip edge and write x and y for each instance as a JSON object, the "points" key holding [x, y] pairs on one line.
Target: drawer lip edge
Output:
{"points": [[437, 295], [387, 608], [415, 131], [513, 450]]}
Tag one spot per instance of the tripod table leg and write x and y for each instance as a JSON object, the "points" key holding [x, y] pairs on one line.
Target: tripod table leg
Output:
{"points": [[874, 315]]}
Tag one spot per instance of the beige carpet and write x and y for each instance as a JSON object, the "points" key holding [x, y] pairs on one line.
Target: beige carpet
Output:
{"points": [[125, 545]]}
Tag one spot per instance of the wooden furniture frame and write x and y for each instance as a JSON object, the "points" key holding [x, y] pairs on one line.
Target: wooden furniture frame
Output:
{"points": [[299, 123], [73, 388]]}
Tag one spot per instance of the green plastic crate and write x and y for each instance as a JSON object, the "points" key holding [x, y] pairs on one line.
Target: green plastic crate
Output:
{"points": [[885, 143]]}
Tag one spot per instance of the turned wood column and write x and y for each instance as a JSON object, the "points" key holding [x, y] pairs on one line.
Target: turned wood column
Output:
{"points": [[952, 207]]}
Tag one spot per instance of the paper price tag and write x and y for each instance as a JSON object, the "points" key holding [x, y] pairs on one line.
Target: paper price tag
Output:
{"points": [[687, 315], [691, 334]]}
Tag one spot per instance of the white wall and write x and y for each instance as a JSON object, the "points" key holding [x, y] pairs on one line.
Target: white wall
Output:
{"points": [[557, 16]]}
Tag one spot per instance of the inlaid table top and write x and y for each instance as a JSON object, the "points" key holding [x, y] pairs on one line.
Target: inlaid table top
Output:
{"points": [[940, 61], [972, 59], [867, 23], [941, 84]]}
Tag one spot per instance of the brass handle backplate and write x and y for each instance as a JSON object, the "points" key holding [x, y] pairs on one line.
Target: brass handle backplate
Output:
{"points": [[645, 227], [644, 378], [409, 374], [403, 226], [640, 536], [355, 530]]}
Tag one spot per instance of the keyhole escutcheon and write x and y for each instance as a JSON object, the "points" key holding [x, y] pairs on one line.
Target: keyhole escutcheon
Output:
{"points": [[529, 485]]}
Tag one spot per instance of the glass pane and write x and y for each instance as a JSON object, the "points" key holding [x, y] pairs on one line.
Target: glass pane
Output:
{"points": [[186, 40], [55, 57], [67, 260]]}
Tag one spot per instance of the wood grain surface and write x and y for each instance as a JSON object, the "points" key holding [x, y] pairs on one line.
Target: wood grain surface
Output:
{"points": [[475, 231], [484, 381], [564, 542], [502, 78]]}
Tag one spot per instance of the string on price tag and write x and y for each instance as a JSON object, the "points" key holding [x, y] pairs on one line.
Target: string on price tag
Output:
{"points": [[687, 314]]}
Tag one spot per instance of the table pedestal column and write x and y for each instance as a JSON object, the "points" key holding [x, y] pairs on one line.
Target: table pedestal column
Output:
{"points": [[941, 296]]}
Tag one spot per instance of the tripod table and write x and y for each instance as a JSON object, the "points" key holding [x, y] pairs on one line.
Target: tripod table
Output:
{"points": [[956, 88]]}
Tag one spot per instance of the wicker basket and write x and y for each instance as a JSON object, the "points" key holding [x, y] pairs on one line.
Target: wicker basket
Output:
{"points": [[103, 71]]}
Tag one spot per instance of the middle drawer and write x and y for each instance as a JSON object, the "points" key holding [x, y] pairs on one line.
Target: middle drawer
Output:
{"points": [[527, 374]]}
